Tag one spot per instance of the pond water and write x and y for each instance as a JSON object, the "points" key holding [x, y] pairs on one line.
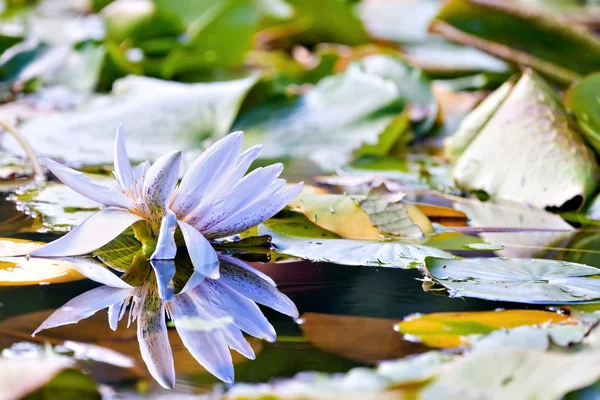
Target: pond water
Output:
{"points": [[347, 318]]}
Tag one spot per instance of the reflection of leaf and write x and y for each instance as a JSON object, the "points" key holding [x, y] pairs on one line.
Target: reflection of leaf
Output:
{"points": [[523, 36], [152, 114], [18, 271], [514, 374], [446, 329], [583, 99], [392, 254], [523, 280], [549, 162], [347, 335], [551, 228], [344, 111]]}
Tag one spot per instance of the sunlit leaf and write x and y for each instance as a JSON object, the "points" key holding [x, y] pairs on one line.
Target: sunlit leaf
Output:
{"points": [[19, 271], [554, 47], [447, 330], [390, 254], [522, 280], [17, 247], [531, 121], [120, 252], [531, 337], [583, 100], [151, 112]]}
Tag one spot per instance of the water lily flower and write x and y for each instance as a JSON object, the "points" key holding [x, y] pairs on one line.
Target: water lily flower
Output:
{"points": [[215, 199], [209, 314]]}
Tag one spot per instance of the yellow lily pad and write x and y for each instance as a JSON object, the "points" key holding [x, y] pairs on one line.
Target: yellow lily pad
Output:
{"points": [[22, 271], [17, 247], [450, 329]]}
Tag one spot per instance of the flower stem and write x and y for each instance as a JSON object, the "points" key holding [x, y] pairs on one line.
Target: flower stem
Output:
{"points": [[37, 168]]}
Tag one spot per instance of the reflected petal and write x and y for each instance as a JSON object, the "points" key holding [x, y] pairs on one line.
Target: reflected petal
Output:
{"points": [[154, 341], [201, 252], [165, 271], [90, 235], [256, 289], [84, 306], [123, 170], [232, 334], [166, 249], [209, 348], [160, 182], [246, 314], [87, 187], [257, 212], [114, 311], [206, 174], [98, 272], [194, 280]]}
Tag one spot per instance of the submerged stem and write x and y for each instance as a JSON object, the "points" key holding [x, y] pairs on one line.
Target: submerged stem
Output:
{"points": [[37, 168]]}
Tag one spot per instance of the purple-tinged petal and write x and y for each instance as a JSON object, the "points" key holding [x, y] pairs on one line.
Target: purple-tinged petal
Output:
{"points": [[251, 286], [243, 193], [84, 306], [257, 212], [241, 264], [160, 181], [232, 334], [154, 340], [194, 280], [86, 186], [202, 254], [114, 311], [140, 171], [206, 174], [246, 314], [123, 170], [90, 235], [98, 272], [166, 249], [209, 348], [165, 271]]}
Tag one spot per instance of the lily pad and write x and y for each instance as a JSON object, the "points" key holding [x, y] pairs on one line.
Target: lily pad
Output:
{"points": [[448, 330], [17, 247], [583, 99], [521, 280], [345, 111], [531, 337], [529, 123], [151, 112], [558, 49], [390, 254], [22, 271]]}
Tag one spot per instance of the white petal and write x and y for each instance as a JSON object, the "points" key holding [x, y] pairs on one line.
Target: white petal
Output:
{"points": [[84, 306], [140, 171], [98, 272], [123, 170], [256, 289], [113, 315], [166, 249], [243, 193], [239, 263], [206, 173], [246, 314], [209, 348], [154, 341], [87, 187], [201, 252], [160, 181], [91, 234], [259, 211], [165, 271], [231, 333], [194, 280]]}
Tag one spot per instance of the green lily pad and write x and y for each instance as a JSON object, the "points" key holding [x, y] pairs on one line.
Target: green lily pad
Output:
{"points": [[152, 113], [557, 49], [389, 254], [550, 163], [346, 111], [521, 280], [583, 99]]}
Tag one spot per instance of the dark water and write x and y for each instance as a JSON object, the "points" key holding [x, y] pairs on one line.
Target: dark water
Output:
{"points": [[347, 319]]}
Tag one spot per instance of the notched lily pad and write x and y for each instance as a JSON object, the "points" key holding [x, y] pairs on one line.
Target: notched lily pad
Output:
{"points": [[528, 151], [521, 280]]}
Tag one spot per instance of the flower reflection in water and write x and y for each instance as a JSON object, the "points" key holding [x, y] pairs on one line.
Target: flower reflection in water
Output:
{"points": [[209, 314]]}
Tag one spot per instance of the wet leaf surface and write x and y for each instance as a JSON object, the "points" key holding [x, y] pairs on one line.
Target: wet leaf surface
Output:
{"points": [[583, 101]]}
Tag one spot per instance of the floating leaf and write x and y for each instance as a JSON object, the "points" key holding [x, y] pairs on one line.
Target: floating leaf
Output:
{"points": [[583, 99], [523, 36], [345, 111], [522, 280], [391, 254], [531, 121], [451, 329], [151, 112], [120, 252], [17, 247], [19, 271], [531, 337], [514, 374]]}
